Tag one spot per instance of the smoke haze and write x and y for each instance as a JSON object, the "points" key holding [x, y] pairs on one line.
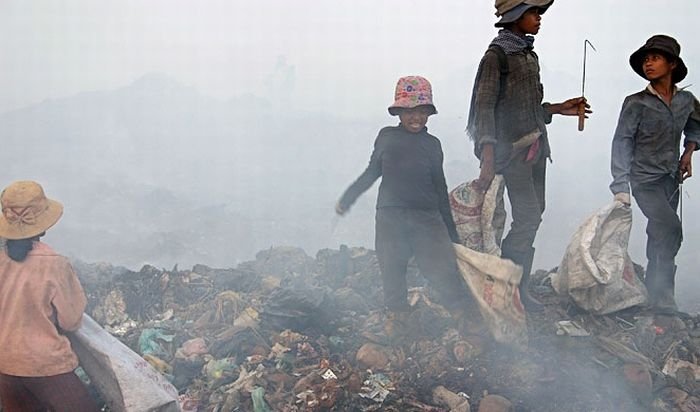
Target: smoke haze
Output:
{"points": [[180, 132]]}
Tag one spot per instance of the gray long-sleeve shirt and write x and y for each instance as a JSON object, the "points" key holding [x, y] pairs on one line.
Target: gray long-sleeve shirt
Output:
{"points": [[410, 165], [646, 145]]}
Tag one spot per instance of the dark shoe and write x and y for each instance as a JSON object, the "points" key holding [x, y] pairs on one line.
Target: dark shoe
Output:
{"points": [[666, 304], [394, 330], [530, 304], [651, 283], [664, 300]]}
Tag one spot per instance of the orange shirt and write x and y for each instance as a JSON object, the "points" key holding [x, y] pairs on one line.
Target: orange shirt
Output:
{"points": [[35, 296]]}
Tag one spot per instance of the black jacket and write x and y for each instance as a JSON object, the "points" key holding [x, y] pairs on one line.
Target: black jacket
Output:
{"points": [[410, 165]]}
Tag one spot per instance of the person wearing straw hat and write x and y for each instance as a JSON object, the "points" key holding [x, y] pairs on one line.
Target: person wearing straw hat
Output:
{"points": [[507, 122], [40, 299], [413, 210], [646, 157]]}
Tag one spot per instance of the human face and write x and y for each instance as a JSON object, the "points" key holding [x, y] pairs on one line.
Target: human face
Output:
{"points": [[414, 119], [656, 66], [529, 22]]}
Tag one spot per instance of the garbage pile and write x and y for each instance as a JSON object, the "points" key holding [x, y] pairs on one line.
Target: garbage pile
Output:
{"points": [[288, 332]]}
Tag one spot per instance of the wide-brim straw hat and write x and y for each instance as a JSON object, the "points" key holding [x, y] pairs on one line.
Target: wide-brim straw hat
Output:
{"points": [[412, 91], [26, 211], [511, 10], [667, 46]]}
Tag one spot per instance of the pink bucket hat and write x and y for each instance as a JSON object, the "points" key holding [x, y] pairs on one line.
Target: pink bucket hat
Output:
{"points": [[412, 91]]}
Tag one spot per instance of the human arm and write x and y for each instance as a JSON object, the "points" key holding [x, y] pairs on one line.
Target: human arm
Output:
{"points": [[568, 107], [488, 167], [623, 146], [69, 300], [691, 143], [482, 125], [364, 181], [440, 183]]}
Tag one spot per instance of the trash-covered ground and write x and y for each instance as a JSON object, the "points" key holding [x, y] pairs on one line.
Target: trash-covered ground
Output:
{"points": [[288, 332]]}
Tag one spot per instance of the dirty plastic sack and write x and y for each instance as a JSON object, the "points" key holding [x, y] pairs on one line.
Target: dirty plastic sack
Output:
{"points": [[494, 284], [479, 217], [596, 271], [126, 381]]}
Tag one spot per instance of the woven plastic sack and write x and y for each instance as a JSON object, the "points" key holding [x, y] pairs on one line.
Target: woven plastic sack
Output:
{"points": [[596, 271], [126, 382], [480, 220], [479, 217], [494, 284]]}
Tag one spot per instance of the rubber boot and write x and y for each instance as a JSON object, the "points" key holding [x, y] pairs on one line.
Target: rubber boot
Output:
{"points": [[530, 304], [665, 303], [651, 283]]}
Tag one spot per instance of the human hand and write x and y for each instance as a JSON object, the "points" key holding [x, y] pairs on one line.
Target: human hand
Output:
{"points": [[339, 209], [571, 107], [488, 168], [624, 198], [685, 167]]}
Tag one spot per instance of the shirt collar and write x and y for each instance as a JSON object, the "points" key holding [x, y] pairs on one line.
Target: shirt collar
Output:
{"points": [[653, 91]]}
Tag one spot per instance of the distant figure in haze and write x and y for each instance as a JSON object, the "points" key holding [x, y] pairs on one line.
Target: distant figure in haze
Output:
{"points": [[413, 210], [507, 122], [40, 298], [646, 153]]}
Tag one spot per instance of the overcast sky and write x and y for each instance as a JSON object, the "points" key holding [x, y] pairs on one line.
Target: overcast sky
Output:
{"points": [[343, 54]]}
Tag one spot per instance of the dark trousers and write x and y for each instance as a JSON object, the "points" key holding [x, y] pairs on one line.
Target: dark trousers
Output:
{"points": [[525, 183], [402, 233], [60, 393], [658, 201]]}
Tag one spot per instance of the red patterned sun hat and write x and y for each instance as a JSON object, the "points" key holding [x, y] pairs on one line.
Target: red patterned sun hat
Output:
{"points": [[412, 91]]}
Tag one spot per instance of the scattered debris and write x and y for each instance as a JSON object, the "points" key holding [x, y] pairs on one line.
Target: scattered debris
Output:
{"points": [[290, 333]]}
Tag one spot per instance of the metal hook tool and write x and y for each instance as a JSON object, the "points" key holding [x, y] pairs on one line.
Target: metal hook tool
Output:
{"points": [[582, 105]]}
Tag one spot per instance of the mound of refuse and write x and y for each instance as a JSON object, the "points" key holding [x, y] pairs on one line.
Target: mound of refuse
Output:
{"points": [[289, 332]]}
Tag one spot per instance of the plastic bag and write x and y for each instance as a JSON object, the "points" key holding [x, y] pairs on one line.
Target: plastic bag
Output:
{"points": [[494, 284], [479, 217], [596, 271], [126, 381]]}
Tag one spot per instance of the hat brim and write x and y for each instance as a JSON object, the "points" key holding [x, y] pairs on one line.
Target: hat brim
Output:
{"points": [[44, 221], [637, 63], [512, 15], [394, 109]]}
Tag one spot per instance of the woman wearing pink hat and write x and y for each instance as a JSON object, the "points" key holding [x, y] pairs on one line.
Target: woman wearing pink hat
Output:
{"points": [[40, 299], [413, 210]]}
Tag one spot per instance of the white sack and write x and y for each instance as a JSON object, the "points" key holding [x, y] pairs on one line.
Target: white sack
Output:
{"points": [[125, 380], [596, 271], [494, 284], [480, 219]]}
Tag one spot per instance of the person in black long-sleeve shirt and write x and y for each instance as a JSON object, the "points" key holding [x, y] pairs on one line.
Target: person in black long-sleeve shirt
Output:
{"points": [[413, 211]]}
